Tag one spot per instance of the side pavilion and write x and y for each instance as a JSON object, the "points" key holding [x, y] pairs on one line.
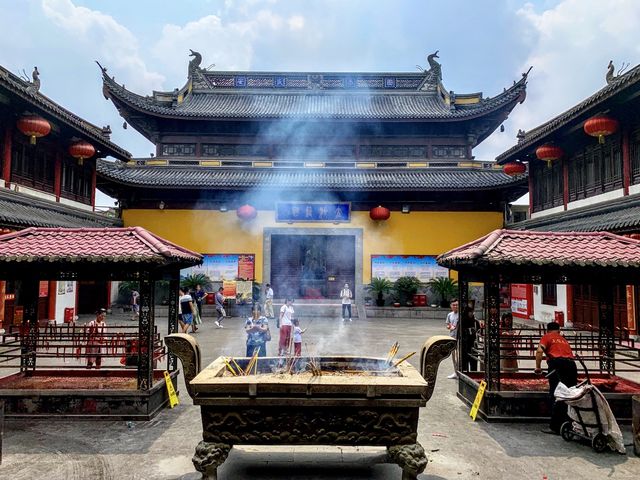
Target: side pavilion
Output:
{"points": [[34, 254], [601, 259]]}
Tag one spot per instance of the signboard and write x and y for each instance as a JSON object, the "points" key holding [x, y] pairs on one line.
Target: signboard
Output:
{"points": [[173, 398], [224, 267], [392, 267], [476, 403], [244, 291], [229, 288], [521, 300], [334, 212]]}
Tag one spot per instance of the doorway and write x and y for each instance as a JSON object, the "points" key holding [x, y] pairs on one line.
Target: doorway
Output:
{"points": [[312, 266]]}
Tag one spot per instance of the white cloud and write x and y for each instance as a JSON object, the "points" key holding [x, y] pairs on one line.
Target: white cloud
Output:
{"points": [[570, 47], [101, 35], [296, 22], [227, 44]]}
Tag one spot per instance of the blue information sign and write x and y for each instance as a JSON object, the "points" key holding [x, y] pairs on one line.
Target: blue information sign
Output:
{"points": [[313, 212]]}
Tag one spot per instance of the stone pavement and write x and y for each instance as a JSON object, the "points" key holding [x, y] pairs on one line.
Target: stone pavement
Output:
{"points": [[162, 448]]}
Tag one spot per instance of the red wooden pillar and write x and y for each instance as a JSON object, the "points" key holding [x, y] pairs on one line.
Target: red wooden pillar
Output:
{"points": [[3, 291], [6, 155], [530, 189], [94, 172], [565, 182], [569, 303], [626, 161], [57, 176], [53, 293]]}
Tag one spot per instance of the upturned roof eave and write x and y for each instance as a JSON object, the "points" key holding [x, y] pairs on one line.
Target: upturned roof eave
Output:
{"points": [[575, 114]]}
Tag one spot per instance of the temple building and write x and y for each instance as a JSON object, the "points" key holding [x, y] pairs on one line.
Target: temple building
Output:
{"points": [[48, 179], [308, 180], [588, 181]]}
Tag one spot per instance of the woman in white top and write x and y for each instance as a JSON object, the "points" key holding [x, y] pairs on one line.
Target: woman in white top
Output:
{"points": [[286, 317]]}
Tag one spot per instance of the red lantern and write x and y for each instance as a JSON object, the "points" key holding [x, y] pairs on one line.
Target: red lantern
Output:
{"points": [[601, 126], [34, 127], [549, 153], [81, 150], [247, 212], [379, 213], [514, 168]]}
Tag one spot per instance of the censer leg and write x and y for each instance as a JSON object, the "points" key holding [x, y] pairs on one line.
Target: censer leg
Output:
{"points": [[411, 459], [208, 457]]}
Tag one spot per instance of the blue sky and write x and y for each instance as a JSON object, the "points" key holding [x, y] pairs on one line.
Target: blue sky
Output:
{"points": [[484, 46]]}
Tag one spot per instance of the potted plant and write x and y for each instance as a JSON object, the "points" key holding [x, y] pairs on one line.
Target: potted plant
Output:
{"points": [[445, 288], [405, 288], [378, 287], [191, 281]]}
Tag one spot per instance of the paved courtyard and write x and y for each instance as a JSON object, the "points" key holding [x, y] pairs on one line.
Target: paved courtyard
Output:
{"points": [[162, 448]]}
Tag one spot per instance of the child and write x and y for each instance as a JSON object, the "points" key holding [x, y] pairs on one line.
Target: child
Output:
{"points": [[297, 338]]}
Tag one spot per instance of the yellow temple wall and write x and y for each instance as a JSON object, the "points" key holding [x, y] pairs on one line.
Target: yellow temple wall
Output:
{"points": [[415, 233]]}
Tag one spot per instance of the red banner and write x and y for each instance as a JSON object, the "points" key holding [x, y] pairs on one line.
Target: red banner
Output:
{"points": [[246, 267]]}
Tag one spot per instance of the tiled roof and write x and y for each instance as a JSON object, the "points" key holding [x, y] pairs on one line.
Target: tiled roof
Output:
{"points": [[49, 108], [97, 245], [20, 210], [585, 108], [509, 248], [443, 179], [236, 103], [619, 215]]}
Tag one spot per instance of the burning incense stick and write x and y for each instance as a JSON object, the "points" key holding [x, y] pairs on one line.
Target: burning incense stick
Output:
{"points": [[407, 356], [392, 352], [235, 364], [233, 372]]}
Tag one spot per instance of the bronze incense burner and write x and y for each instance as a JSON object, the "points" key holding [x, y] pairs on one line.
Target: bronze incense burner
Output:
{"points": [[356, 401]]}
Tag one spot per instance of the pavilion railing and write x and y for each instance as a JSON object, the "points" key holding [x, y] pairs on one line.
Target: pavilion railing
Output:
{"points": [[69, 346]]}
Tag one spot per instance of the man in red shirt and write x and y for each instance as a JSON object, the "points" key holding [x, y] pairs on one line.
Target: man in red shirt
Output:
{"points": [[562, 368]]}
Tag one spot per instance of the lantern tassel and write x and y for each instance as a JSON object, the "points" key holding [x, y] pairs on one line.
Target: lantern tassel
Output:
{"points": [[80, 161], [548, 163], [601, 139], [32, 140]]}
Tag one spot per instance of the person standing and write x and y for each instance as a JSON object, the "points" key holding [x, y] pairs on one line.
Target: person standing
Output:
{"points": [[345, 295], [96, 339], [186, 310], [286, 320], [472, 326], [135, 304], [198, 296], [257, 329], [561, 367], [220, 307], [268, 302], [452, 325], [297, 338]]}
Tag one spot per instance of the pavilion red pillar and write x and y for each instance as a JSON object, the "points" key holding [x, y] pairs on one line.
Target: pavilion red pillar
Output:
{"points": [[3, 291], [6, 154], [626, 161]]}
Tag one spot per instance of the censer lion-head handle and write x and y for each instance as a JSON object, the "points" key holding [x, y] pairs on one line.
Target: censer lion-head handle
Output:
{"points": [[434, 350], [186, 348]]}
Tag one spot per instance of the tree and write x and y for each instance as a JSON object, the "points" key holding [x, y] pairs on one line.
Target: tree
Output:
{"points": [[379, 286], [405, 288], [445, 288]]}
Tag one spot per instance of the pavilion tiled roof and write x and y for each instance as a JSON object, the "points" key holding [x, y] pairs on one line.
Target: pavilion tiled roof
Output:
{"points": [[221, 102], [516, 248], [621, 215], [96, 245], [418, 179], [41, 104], [577, 113], [20, 210]]}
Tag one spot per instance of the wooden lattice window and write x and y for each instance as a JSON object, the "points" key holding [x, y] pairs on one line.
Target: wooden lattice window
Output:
{"points": [[549, 294]]}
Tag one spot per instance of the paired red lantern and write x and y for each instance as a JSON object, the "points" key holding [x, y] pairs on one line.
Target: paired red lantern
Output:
{"points": [[81, 150], [600, 126], [549, 153], [34, 127], [379, 213], [514, 168], [247, 212]]}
